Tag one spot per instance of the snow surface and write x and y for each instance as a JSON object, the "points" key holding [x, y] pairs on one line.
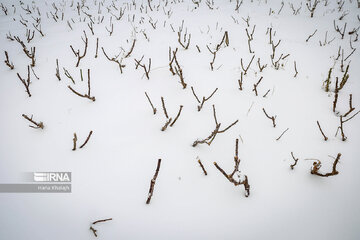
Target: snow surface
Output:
{"points": [[112, 173]]}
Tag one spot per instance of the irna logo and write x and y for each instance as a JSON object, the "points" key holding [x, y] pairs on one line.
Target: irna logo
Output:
{"points": [[52, 176]]}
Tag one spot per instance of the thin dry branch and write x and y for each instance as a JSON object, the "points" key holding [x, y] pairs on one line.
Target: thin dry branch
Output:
{"points": [[230, 177], [7, 61], [114, 59], [37, 124], [26, 82], [295, 159], [152, 106], [248, 66], [153, 181], [177, 116], [317, 165], [322, 133], [272, 118], [87, 139], [77, 53]]}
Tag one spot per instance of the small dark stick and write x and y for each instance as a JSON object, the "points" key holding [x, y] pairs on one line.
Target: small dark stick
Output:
{"points": [[311, 35], [37, 125], [272, 118], [74, 142], [325, 137], [26, 82], [152, 182], [131, 49], [87, 139], [7, 62], [282, 134], [93, 230], [202, 167], [255, 86], [57, 74], [336, 94], [97, 47], [166, 124], [177, 116], [152, 106], [296, 72], [102, 220], [240, 81], [266, 93], [164, 108], [350, 106], [295, 159]]}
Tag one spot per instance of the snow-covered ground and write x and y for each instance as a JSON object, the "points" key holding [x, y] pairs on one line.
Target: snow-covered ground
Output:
{"points": [[111, 174]]}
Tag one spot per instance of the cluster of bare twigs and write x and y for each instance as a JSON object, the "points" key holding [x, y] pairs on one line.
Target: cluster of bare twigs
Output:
{"points": [[169, 121], [30, 54], [204, 99], [82, 145], [176, 69], [216, 131], [236, 172], [317, 165], [86, 95], [224, 40], [77, 53], [146, 68], [115, 59], [185, 43]]}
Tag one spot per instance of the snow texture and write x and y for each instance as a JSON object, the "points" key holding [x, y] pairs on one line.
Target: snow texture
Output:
{"points": [[112, 172]]}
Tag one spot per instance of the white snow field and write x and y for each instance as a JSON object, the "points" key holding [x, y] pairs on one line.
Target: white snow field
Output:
{"points": [[111, 174]]}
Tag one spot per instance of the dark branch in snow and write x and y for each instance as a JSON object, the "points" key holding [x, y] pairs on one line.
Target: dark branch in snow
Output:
{"points": [[295, 159], [271, 118], [37, 125], [87, 139], [77, 53], [153, 181], [322, 133], [114, 59], [152, 106], [86, 95], [26, 82], [7, 61], [217, 130], [230, 177], [317, 165]]}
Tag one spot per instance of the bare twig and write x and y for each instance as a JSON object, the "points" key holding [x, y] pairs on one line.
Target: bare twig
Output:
{"points": [[202, 167], [295, 159], [152, 106], [322, 133], [77, 53], [271, 118], [177, 116], [282, 134], [26, 82], [230, 177], [317, 165], [37, 124], [74, 142], [87, 139], [7, 61], [152, 182]]}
